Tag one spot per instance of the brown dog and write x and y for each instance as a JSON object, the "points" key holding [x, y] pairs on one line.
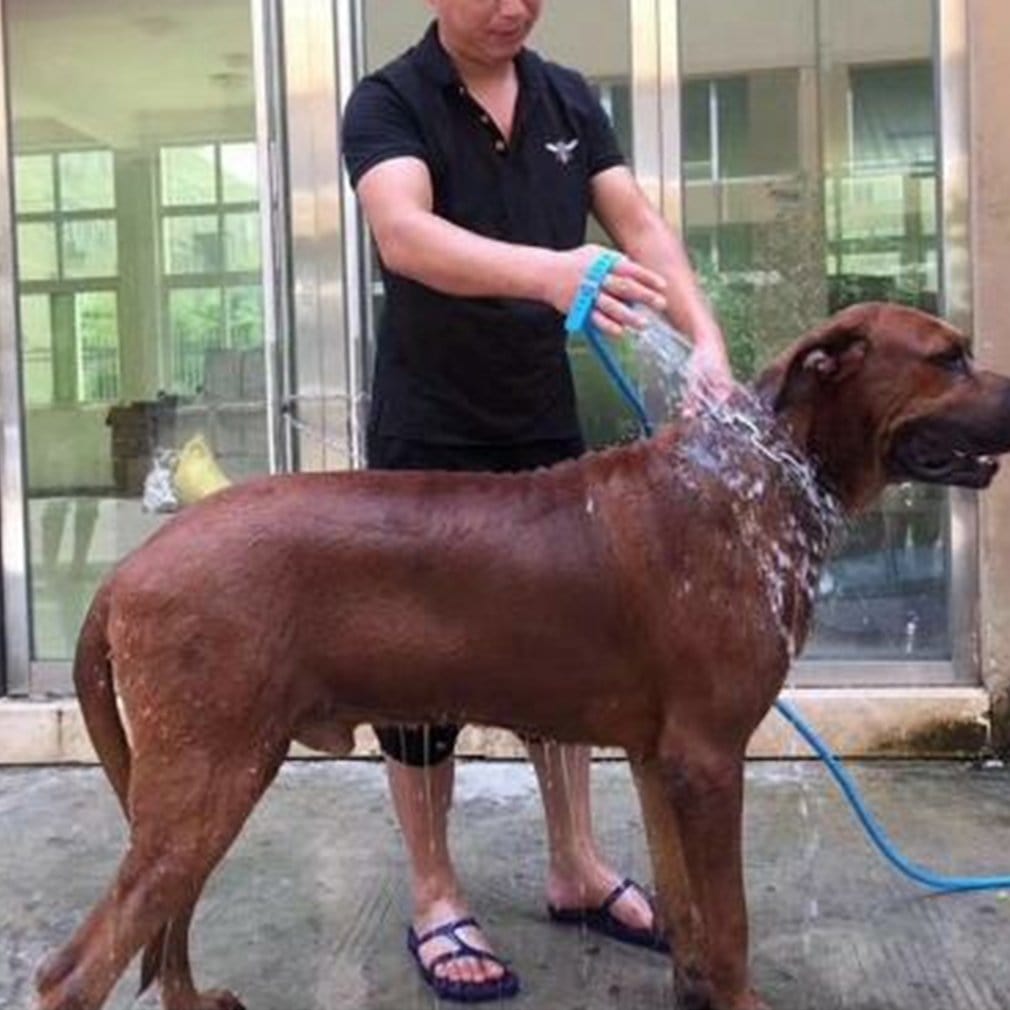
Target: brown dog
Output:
{"points": [[588, 602]]}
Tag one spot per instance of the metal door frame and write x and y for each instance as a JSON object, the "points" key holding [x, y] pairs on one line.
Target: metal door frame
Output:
{"points": [[13, 515]]}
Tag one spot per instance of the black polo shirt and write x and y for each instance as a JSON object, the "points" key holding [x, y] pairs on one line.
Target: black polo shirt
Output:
{"points": [[479, 370]]}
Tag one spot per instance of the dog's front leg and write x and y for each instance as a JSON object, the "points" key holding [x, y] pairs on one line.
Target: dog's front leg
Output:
{"points": [[693, 807], [677, 909]]}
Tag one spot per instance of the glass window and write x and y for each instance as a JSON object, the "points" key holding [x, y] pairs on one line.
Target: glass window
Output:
{"points": [[244, 316], [188, 175], [696, 129], [37, 259], [37, 348], [213, 243], [89, 248], [97, 327], [239, 173], [67, 240], [740, 127], [893, 120], [33, 184], [242, 241], [86, 180], [881, 200], [192, 244], [194, 319]]}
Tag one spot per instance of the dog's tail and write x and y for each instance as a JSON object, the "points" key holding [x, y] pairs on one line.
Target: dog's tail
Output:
{"points": [[96, 695], [97, 698]]}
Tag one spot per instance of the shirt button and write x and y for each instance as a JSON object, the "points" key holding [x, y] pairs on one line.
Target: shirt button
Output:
{"points": [[499, 146], [484, 120]]}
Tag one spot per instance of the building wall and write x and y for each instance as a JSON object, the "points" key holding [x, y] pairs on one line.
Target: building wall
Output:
{"points": [[989, 30]]}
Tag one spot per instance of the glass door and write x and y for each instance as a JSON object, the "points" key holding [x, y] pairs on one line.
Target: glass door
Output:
{"points": [[811, 174], [143, 340]]}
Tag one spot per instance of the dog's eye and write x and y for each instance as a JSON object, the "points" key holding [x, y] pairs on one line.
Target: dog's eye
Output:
{"points": [[953, 359]]}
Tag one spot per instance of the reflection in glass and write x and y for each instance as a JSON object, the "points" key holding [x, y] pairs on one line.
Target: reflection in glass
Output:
{"points": [[192, 244], [242, 241], [244, 316], [239, 171], [810, 183], [37, 348], [37, 259], [188, 175], [33, 184], [726, 122], [194, 319], [97, 324], [141, 323], [86, 180], [89, 248]]}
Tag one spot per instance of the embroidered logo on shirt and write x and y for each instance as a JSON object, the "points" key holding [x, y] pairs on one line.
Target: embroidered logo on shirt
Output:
{"points": [[562, 149]]}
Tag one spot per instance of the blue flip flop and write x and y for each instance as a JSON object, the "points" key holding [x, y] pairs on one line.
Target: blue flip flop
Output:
{"points": [[451, 989], [602, 919]]}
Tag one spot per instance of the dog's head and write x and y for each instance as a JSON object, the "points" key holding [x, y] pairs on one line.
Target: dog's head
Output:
{"points": [[884, 393]]}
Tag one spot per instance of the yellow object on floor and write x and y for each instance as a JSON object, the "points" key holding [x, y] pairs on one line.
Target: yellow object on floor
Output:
{"points": [[196, 472]]}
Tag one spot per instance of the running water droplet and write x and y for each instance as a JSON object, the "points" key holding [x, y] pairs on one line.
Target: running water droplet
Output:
{"points": [[726, 444], [661, 364], [911, 631]]}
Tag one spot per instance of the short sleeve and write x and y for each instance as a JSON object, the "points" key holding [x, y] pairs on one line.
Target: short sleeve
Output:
{"points": [[604, 151], [378, 125]]}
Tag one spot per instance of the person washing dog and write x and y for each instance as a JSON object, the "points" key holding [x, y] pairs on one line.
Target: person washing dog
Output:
{"points": [[477, 164]]}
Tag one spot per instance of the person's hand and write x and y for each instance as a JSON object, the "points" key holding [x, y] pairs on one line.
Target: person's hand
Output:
{"points": [[628, 282], [710, 378]]}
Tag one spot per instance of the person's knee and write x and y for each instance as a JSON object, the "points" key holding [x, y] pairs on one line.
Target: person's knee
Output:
{"points": [[417, 746]]}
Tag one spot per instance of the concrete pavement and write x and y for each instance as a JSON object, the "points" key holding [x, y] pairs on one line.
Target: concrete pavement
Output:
{"points": [[308, 910]]}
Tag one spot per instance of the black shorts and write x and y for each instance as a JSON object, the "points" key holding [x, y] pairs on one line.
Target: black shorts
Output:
{"points": [[424, 746]]}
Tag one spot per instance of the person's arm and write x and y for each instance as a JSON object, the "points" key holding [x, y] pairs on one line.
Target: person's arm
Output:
{"points": [[396, 197], [638, 229]]}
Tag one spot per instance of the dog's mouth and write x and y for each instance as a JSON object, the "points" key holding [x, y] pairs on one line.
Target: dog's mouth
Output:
{"points": [[942, 455]]}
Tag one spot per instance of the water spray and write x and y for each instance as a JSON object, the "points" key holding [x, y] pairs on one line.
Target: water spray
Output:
{"points": [[673, 350]]}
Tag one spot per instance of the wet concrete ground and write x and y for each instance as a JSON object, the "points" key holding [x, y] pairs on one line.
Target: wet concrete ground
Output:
{"points": [[308, 910]]}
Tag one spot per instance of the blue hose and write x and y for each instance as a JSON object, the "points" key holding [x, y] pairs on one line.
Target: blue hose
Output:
{"points": [[872, 826], [578, 322]]}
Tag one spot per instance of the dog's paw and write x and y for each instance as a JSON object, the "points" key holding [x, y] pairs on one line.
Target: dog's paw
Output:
{"points": [[696, 993], [212, 999], [752, 1001], [54, 969], [693, 992], [220, 999]]}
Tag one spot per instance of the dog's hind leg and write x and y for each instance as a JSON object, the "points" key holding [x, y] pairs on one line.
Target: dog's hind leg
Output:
{"points": [[166, 958], [187, 804], [173, 971]]}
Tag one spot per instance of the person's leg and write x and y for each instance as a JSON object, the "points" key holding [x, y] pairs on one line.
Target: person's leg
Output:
{"points": [[420, 769], [578, 877]]}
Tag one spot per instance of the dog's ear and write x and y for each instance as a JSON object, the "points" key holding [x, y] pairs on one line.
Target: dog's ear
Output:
{"points": [[824, 357]]}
